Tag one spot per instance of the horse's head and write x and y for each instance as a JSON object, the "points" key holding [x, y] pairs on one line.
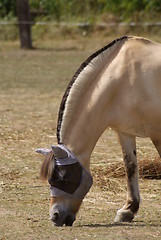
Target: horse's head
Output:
{"points": [[69, 183]]}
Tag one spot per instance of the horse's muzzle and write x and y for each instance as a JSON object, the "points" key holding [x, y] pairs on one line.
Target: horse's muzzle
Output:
{"points": [[60, 218]]}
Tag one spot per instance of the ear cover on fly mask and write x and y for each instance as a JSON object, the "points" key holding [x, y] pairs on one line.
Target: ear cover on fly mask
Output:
{"points": [[68, 178]]}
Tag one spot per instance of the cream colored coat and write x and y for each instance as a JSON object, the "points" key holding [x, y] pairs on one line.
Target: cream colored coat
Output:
{"points": [[119, 87]]}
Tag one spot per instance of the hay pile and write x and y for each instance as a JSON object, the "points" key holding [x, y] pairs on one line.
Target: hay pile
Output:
{"points": [[148, 169]]}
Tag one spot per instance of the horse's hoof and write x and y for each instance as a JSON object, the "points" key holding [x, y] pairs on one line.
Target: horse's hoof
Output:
{"points": [[124, 216]]}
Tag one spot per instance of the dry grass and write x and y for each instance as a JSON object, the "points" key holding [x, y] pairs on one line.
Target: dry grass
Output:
{"points": [[148, 169], [32, 84]]}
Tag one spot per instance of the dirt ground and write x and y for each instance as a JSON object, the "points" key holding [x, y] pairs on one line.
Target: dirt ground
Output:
{"points": [[32, 84]]}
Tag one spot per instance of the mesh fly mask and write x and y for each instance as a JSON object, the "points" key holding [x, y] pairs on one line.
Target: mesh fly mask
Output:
{"points": [[68, 177]]}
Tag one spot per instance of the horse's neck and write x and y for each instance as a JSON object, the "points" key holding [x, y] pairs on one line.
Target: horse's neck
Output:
{"points": [[83, 120], [86, 126], [82, 140]]}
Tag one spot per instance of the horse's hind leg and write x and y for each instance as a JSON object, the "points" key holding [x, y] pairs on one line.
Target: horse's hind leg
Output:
{"points": [[127, 212], [157, 144]]}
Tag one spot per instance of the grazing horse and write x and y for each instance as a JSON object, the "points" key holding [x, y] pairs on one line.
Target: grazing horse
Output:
{"points": [[119, 86]]}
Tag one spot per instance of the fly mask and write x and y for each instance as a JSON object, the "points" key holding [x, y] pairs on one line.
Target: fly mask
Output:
{"points": [[67, 178]]}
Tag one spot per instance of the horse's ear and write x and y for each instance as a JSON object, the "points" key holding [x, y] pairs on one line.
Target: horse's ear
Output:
{"points": [[43, 151], [59, 152]]}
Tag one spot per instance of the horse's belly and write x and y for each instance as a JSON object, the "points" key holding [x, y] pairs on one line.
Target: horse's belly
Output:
{"points": [[143, 130], [138, 131]]}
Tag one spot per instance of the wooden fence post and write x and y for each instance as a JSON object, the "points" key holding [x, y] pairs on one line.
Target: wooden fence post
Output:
{"points": [[23, 12]]}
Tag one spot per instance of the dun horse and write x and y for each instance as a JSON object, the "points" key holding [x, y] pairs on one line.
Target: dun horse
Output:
{"points": [[118, 86]]}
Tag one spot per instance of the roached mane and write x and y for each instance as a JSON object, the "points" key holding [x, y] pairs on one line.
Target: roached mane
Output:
{"points": [[81, 69]]}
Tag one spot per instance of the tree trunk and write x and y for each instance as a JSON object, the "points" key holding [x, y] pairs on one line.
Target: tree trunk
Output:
{"points": [[24, 24]]}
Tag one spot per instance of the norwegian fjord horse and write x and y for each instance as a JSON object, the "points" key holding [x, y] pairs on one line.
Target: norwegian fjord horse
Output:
{"points": [[118, 86]]}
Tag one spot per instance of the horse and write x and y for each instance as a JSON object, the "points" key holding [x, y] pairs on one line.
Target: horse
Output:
{"points": [[118, 86]]}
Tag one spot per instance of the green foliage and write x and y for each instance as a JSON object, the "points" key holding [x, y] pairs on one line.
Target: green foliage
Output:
{"points": [[154, 5], [64, 10], [7, 8]]}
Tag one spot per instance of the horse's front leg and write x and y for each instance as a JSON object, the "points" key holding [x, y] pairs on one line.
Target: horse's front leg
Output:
{"points": [[127, 212]]}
